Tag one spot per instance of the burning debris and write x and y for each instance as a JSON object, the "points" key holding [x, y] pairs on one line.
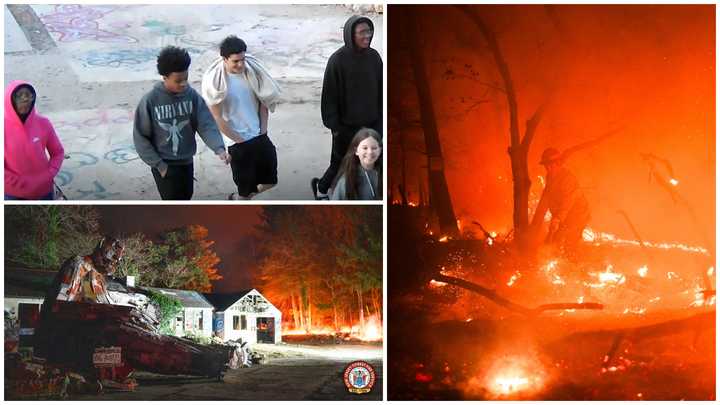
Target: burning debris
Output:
{"points": [[517, 319]]}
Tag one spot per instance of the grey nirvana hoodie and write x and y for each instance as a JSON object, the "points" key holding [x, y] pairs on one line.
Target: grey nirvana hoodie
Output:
{"points": [[165, 126]]}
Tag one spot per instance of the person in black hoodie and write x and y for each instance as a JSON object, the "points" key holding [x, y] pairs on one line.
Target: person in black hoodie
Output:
{"points": [[352, 95], [166, 120]]}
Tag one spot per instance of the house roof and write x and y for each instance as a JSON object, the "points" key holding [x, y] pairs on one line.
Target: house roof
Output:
{"points": [[222, 302], [188, 299]]}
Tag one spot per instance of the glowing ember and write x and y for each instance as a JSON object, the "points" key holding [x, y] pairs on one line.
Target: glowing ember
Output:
{"points": [[434, 283], [671, 275], [637, 310], [607, 278], [674, 182], [489, 241], [513, 279], [550, 270], [702, 298], [711, 271], [443, 238], [643, 271]]}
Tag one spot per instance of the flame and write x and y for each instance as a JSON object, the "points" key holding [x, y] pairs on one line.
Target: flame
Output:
{"points": [[508, 385], [550, 270], [508, 376], [674, 182], [372, 330], [711, 271], [489, 241], [643, 271], [443, 238], [603, 237]]}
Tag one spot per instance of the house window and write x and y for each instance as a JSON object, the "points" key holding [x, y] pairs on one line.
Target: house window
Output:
{"points": [[243, 321], [200, 321], [236, 322]]}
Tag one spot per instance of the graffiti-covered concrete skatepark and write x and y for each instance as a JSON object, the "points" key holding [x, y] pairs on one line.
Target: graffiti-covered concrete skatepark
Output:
{"points": [[91, 64]]}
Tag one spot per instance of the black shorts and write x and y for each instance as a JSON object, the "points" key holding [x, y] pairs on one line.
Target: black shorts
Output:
{"points": [[253, 162]]}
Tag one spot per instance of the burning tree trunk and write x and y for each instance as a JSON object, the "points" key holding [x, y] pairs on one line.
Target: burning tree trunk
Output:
{"points": [[439, 195], [361, 321], [519, 148], [295, 312]]}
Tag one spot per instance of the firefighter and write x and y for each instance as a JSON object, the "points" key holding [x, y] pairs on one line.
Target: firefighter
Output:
{"points": [[569, 209]]}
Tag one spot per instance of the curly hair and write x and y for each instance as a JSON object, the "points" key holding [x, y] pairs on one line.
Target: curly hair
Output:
{"points": [[350, 163], [232, 45], [172, 59]]}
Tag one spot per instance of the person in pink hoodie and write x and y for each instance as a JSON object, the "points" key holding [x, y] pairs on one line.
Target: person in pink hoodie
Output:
{"points": [[29, 139]]}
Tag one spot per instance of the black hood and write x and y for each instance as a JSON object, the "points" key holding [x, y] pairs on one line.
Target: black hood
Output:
{"points": [[32, 106], [350, 28]]}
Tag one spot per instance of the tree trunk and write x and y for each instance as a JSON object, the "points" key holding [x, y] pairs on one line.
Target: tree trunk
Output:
{"points": [[309, 310], [296, 320], [376, 304], [518, 149], [361, 321], [334, 307], [439, 195]]}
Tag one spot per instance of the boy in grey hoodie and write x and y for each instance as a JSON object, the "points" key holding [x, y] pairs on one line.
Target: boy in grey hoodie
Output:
{"points": [[166, 121]]}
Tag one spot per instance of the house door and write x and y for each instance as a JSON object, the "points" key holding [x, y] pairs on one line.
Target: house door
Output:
{"points": [[266, 330]]}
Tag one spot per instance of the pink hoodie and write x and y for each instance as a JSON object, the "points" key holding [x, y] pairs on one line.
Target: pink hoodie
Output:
{"points": [[28, 172]]}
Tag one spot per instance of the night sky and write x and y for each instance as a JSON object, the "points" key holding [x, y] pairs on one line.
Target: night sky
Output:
{"points": [[231, 227], [647, 69]]}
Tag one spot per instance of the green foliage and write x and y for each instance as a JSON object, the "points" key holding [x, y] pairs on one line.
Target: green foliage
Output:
{"points": [[182, 259], [204, 340], [169, 308], [43, 236]]}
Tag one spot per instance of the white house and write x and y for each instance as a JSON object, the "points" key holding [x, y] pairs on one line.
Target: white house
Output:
{"points": [[246, 315], [196, 316]]}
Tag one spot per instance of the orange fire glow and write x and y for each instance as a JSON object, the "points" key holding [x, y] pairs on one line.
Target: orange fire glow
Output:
{"points": [[510, 376]]}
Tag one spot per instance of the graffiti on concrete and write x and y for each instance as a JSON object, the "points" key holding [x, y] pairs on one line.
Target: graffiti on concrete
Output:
{"points": [[63, 178], [122, 155], [178, 34], [99, 117], [132, 59], [98, 193], [72, 22], [76, 160], [121, 58]]}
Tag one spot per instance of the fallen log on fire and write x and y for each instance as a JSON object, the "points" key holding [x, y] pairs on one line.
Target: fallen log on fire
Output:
{"points": [[494, 297]]}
